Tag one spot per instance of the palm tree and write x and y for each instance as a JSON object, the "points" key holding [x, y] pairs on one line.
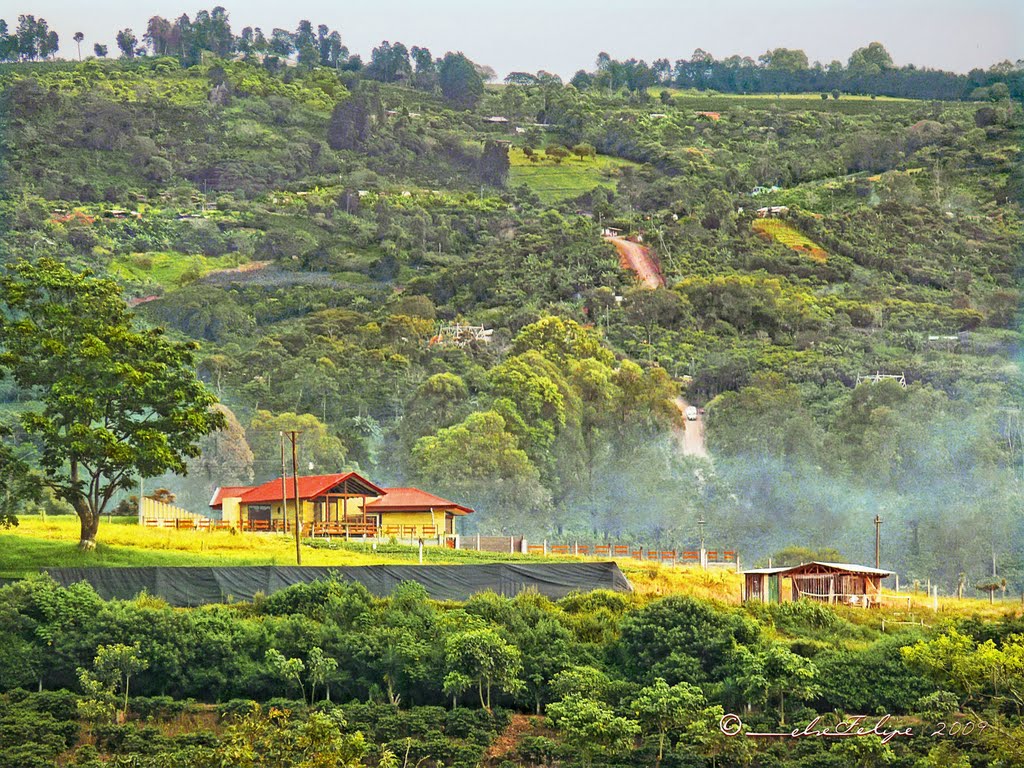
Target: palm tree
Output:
{"points": [[78, 38]]}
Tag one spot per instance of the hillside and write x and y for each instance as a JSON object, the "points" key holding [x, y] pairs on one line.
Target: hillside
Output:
{"points": [[310, 229]]}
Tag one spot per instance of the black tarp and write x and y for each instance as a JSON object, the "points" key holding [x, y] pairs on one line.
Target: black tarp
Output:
{"points": [[199, 586]]}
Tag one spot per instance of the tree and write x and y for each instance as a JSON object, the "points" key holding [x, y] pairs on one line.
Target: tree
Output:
{"points": [[774, 672], [113, 669], [584, 150], [261, 739], [99, 50], [666, 710], [461, 84], [556, 153], [494, 163], [19, 486], [788, 59], [321, 667], [870, 60], [592, 727], [351, 123], [116, 401], [317, 444], [78, 38], [127, 42], [288, 670], [481, 657], [225, 457]]}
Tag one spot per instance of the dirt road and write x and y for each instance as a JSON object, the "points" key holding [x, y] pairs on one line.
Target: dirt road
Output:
{"points": [[691, 440], [638, 259]]}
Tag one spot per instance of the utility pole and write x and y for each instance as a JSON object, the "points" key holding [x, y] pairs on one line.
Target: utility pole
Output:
{"points": [[284, 487], [703, 553], [878, 541], [295, 482]]}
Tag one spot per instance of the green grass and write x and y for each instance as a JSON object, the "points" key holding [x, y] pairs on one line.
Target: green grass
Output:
{"points": [[554, 182], [168, 268]]}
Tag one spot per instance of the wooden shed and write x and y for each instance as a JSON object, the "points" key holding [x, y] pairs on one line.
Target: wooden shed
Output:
{"points": [[833, 583], [762, 585]]}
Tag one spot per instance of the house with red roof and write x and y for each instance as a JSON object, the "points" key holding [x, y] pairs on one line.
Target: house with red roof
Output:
{"points": [[345, 504]]}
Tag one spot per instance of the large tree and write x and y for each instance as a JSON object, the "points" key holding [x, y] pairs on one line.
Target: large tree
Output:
{"points": [[115, 401], [461, 84]]}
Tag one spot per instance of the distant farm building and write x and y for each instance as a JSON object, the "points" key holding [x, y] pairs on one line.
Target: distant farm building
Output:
{"points": [[611, 232], [345, 504], [832, 583], [772, 211]]}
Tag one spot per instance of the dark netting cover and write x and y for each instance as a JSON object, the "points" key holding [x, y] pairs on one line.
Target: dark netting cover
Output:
{"points": [[197, 586]]}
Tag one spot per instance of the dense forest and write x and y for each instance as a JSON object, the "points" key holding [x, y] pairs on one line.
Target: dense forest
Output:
{"points": [[345, 679], [310, 220]]}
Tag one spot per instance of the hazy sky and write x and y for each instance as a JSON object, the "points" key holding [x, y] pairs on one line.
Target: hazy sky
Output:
{"points": [[565, 35]]}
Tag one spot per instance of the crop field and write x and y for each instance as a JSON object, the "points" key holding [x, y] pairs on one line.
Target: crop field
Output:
{"points": [[572, 177], [791, 237]]}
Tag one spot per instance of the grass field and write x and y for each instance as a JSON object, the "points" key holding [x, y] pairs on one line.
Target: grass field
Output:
{"points": [[571, 178], [168, 268], [791, 237], [36, 544]]}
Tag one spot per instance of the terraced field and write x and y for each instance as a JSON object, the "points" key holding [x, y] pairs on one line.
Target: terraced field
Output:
{"points": [[791, 237]]}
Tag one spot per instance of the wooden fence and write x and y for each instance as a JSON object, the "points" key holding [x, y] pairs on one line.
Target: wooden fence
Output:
{"points": [[159, 514]]}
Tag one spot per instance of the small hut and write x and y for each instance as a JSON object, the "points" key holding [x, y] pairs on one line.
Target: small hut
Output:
{"points": [[762, 585], [833, 583]]}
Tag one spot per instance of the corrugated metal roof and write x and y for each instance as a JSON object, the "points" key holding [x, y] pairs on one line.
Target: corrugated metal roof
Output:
{"points": [[414, 499], [850, 567]]}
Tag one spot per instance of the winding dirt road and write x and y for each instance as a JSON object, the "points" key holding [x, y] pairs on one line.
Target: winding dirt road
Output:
{"points": [[638, 259]]}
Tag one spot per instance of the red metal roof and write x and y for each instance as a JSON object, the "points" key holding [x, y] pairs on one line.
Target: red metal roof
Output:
{"points": [[310, 487], [414, 500]]}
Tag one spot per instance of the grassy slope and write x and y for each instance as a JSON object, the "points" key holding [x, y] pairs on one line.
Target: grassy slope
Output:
{"points": [[36, 544], [791, 237], [572, 177], [167, 268]]}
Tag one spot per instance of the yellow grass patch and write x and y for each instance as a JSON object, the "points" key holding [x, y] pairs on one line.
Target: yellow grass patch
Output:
{"points": [[791, 237]]}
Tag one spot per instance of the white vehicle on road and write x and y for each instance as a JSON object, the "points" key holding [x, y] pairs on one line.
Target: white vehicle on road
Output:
{"points": [[691, 413]]}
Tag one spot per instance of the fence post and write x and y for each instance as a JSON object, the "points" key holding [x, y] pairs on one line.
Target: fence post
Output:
{"points": [[546, 551], [575, 547], [478, 542], [421, 551], [511, 545]]}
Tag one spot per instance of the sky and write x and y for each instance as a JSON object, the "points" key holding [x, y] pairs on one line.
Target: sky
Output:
{"points": [[562, 36]]}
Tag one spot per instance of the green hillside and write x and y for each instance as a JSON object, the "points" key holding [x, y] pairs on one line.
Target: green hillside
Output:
{"points": [[407, 268], [311, 229]]}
